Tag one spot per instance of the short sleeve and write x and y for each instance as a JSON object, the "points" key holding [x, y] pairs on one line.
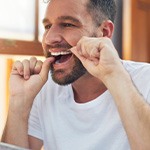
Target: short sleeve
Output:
{"points": [[34, 125]]}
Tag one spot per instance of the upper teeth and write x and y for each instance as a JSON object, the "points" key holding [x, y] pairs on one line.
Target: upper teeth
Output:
{"points": [[60, 53]]}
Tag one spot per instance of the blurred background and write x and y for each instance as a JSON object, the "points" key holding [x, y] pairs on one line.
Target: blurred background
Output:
{"points": [[21, 33]]}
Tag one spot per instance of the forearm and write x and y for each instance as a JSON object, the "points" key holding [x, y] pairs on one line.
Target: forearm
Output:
{"points": [[16, 127], [133, 110]]}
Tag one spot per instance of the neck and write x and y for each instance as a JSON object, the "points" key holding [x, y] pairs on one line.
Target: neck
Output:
{"points": [[87, 88]]}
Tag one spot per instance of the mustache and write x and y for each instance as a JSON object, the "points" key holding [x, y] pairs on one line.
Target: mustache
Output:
{"points": [[61, 46], [65, 46]]}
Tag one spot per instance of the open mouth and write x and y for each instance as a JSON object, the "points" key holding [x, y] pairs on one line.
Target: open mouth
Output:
{"points": [[61, 57]]}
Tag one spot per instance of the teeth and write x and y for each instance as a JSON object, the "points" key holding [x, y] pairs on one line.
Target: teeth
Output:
{"points": [[60, 53]]}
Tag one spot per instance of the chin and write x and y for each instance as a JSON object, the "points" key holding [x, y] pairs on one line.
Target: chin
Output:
{"points": [[63, 80], [65, 77]]}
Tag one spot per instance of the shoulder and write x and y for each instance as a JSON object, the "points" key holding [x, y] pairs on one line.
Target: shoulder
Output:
{"points": [[140, 75], [137, 68]]}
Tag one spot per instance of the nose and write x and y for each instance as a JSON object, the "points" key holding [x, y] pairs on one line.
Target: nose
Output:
{"points": [[53, 36]]}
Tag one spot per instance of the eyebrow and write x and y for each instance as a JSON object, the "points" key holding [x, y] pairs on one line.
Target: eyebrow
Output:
{"points": [[45, 20], [64, 18]]}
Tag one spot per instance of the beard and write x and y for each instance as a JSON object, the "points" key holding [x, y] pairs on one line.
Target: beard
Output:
{"points": [[78, 70]]}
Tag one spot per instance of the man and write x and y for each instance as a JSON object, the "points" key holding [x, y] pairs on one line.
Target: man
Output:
{"points": [[105, 103]]}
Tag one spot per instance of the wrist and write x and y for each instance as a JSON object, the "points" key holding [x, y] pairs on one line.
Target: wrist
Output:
{"points": [[20, 106], [117, 78]]}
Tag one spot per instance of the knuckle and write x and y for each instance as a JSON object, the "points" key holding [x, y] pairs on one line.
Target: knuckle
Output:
{"points": [[33, 59], [25, 61], [17, 64], [39, 63]]}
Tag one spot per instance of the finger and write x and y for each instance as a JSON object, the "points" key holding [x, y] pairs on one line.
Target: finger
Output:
{"points": [[38, 67], [26, 69], [81, 48], [95, 61], [33, 62], [45, 68], [17, 68], [94, 53]]}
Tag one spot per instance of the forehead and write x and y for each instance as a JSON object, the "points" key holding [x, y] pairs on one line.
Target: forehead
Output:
{"points": [[75, 8]]}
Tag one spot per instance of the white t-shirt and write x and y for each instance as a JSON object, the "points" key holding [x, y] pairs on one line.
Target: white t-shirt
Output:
{"points": [[63, 124]]}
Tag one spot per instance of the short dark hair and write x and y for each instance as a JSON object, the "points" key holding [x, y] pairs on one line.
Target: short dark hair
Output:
{"points": [[101, 10]]}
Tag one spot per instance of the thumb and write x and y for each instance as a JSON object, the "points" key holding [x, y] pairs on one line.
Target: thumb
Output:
{"points": [[45, 68]]}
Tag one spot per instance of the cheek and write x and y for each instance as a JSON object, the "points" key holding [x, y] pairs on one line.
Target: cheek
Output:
{"points": [[44, 47], [43, 41], [73, 38]]}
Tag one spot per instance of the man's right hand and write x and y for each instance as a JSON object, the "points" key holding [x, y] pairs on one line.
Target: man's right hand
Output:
{"points": [[26, 80]]}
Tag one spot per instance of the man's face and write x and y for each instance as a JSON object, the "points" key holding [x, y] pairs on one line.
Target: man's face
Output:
{"points": [[65, 22]]}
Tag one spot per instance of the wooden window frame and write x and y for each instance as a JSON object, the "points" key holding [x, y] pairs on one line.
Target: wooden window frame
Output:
{"points": [[21, 47], [136, 32]]}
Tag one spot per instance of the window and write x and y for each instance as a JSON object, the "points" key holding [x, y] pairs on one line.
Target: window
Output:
{"points": [[21, 26], [21, 32]]}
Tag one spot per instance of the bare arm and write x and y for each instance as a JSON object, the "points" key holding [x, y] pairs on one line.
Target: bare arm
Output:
{"points": [[34, 143], [133, 110], [27, 78], [101, 59]]}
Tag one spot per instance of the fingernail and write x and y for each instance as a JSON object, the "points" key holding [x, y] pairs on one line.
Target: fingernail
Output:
{"points": [[27, 77]]}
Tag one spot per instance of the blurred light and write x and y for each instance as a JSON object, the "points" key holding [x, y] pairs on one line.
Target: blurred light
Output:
{"points": [[42, 8], [17, 19], [3, 94]]}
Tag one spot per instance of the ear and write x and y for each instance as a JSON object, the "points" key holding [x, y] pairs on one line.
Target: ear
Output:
{"points": [[106, 29]]}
